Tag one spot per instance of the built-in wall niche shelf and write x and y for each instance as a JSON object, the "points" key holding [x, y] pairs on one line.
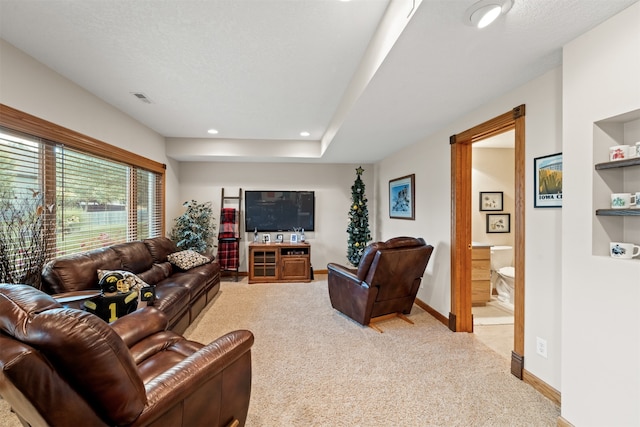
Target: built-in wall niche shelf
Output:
{"points": [[619, 176], [618, 212], [613, 165], [619, 164]]}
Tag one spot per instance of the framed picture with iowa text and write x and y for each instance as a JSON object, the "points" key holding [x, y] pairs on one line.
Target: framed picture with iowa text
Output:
{"points": [[547, 179]]}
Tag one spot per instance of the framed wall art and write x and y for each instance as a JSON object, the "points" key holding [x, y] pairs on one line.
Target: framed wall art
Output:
{"points": [[547, 181], [499, 223], [402, 197], [491, 200]]}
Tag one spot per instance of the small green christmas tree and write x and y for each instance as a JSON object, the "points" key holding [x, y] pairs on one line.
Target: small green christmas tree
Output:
{"points": [[358, 229]]}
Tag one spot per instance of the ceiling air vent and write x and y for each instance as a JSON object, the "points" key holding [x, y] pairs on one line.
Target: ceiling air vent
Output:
{"points": [[142, 97]]}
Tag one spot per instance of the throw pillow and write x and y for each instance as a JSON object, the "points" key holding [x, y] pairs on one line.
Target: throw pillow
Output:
{"points": [[131, 281], [187, 259]]}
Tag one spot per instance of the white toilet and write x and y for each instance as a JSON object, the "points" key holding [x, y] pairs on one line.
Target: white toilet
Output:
{"points": [[502, 273]]}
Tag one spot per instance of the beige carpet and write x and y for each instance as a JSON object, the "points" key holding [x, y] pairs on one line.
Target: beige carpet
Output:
{"points": [[315, 367]]}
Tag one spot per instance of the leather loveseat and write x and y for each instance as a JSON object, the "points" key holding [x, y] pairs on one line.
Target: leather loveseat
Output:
{"points": [[66, 367], [180, 294]]}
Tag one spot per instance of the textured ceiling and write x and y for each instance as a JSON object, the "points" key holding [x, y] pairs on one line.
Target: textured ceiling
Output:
{"points": [[364, 77]]}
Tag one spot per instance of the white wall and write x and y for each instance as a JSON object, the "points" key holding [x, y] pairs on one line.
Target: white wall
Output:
{"points": [[29, 86], [600, 296], [430, 160], [332, 183], [493, 169]]}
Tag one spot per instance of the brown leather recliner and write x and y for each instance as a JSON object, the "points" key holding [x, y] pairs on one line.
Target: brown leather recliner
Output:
{"points": [[386, 281], [66, 367]]}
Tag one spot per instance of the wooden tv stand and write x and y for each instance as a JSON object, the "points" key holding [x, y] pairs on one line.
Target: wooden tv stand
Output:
{"points": [[279, 262]]}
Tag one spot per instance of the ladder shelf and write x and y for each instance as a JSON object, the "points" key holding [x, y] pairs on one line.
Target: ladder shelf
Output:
{"points": [[229, 232]]}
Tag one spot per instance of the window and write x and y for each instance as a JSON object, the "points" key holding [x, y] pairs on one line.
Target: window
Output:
{"points": [[62, 197], [91, 202]]}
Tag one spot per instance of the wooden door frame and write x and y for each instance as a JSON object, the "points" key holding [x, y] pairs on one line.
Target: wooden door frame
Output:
{"points": [[460, 317]]}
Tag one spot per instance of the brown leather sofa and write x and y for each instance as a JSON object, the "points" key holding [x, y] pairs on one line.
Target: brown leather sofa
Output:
{"points": [[180, 295], [386, 281], [66, 367]]}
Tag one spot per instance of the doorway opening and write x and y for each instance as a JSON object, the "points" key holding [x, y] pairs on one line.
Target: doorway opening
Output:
{"points": [[461, 317], [492, 285]]}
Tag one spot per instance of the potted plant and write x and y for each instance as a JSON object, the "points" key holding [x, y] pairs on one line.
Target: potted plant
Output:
{"points": [[194, 229]]}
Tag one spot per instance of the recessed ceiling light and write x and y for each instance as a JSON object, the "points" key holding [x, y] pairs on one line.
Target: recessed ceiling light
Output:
{"points": [[484, 12], [485, 15], [213, 131], [305, 133]]}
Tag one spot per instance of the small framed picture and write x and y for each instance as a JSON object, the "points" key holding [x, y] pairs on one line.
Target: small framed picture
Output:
{"points": [[499, 223], [266, 238], [402, 194], [293, 238], [491, 200], [279, 238]]}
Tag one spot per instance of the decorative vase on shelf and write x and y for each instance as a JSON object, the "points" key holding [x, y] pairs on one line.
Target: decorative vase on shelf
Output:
{"points": [[302, 235]]}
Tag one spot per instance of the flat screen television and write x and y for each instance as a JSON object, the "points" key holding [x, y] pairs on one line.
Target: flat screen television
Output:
{"points": [[279, 210]]}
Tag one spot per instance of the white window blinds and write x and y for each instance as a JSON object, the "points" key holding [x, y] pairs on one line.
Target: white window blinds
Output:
{"points": [[57, 200], [91, 201]]}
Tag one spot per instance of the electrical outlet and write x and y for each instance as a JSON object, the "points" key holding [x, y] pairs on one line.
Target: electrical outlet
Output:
{"points": [[541, 347]]}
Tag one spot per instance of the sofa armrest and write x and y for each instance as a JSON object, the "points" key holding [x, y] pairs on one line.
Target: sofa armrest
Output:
{"points": [[140, 324], [197, 374], [344, 273], [350, 295]]}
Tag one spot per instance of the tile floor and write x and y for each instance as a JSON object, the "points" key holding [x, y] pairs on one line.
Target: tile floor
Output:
{"points": [[499, 335]]}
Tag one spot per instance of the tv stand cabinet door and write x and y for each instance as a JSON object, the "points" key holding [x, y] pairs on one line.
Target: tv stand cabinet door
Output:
{"points": [[295, 268], [262, 265]]}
